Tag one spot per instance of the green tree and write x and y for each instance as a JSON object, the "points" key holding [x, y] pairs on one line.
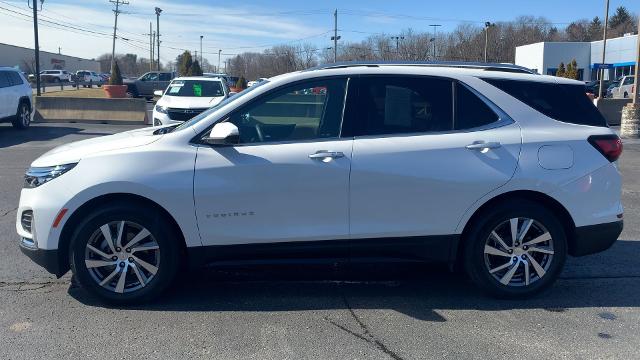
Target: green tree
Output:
{"points": [[572, 70], [595, 29], [621, 17], [241, 83], [185, 64], [561, 70], [195, 69], [116, 77]]}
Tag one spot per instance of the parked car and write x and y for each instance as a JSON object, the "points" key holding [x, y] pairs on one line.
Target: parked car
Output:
{"points": [[187, 97], [504, 174], [614, 84], [147, 84], [55, 76], [16, 104], [625, 88], [105, 77], [89, 78], [254, 82]]}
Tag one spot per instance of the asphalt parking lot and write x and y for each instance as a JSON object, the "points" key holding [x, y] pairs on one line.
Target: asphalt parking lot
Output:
{"points": [[341, 312]]}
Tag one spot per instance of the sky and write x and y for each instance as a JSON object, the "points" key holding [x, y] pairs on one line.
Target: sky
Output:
{"points": [[84, 28]]}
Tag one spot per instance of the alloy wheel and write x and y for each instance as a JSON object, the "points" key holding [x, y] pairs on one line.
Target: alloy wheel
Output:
{"points": [[25, 116], [122, 256], [518, 252]]}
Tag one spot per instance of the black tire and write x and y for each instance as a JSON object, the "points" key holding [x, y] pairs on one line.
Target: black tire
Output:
{"points": [[22, 120], [167, 241], [475, 261]]}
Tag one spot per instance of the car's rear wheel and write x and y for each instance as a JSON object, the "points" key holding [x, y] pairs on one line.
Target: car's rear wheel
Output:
{"points": [[22, 119], [125, 254], [516, 250]]}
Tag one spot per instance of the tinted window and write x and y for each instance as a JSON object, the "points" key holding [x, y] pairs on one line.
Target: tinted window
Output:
{"points": [[397, 105], [628, 81], [165, 76], [14, 78], [4, 79], [471, 111], [150, 77], [195, 88], [301, 112], [562, 102]]}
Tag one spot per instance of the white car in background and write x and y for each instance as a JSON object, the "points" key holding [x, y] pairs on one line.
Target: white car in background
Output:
{"points": [[186, 97], [89, 78], [15, 98], [254, 82], [625, 89]]}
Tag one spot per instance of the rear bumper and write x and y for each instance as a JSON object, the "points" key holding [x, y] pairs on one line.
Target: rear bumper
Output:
{"points": [[48, 259], [592, 239]]}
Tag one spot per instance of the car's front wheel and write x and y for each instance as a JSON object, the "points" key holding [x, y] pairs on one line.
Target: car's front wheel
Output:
{"points": [[125, 254], [22, 119], [517, 249]]}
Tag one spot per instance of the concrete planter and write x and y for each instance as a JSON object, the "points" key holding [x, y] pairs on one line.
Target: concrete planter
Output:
{"points": [[90, 110], [115, 91]]}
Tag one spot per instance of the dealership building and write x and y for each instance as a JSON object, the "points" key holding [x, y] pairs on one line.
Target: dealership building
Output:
{"points": [[24, 58], [545, 57]]}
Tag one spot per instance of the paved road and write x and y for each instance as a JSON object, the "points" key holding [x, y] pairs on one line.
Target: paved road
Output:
{"points": [[397, 312]]}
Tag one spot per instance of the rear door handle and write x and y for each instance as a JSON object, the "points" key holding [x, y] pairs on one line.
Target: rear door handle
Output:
{"points": [[484, 145], [325, 154]]}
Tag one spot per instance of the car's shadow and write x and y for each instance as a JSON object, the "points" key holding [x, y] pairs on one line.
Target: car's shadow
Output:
{"points": [[37, 132], [416, 290]]}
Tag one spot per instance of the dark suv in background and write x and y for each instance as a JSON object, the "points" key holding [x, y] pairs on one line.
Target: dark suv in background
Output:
{"points": [[145, 85]]}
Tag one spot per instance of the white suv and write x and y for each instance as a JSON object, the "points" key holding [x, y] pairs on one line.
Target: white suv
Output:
{"points": [[15, 98], [504, 173]]}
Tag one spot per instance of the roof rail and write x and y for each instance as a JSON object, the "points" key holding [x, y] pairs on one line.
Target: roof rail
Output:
{"points": [[449, 64]]}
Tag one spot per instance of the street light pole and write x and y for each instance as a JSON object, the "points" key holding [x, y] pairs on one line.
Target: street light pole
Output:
{"points": [[37, 45], [604, 49], [158, 11], [201, 36], [487, 25], [219, 52], [397, 39], [435, 26]]}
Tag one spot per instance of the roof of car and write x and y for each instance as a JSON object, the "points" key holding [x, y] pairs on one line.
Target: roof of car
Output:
{"points": [[201, 78]]}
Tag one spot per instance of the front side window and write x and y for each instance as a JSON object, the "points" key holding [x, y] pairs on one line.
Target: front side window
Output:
{"points": [[312, 110], [150, 77], [165, 76], [4, 79], [14, 78], [195, 88], [401, 105]]}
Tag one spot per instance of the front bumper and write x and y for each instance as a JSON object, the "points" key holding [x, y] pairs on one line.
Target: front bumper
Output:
{"points": [[592, 239], [160, 119], [48, 259]]}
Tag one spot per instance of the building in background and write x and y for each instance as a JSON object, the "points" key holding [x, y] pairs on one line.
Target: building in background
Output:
{"points": [[544, 57], [24, 58]]}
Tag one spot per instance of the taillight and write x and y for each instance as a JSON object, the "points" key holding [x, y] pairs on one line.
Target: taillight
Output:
{"points": [[610, 146]]}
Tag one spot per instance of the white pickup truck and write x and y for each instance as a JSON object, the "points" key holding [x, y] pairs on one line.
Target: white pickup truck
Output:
{"points": [[625, 89]]}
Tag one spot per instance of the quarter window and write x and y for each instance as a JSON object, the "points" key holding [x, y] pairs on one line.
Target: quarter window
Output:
{"points": [[471, 111], [4, 79], [400, 105], [312, 110]]}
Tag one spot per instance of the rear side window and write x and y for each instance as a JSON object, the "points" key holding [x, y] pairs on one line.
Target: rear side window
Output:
{"points": [[562, 102], [471, 111], [400, 105]]}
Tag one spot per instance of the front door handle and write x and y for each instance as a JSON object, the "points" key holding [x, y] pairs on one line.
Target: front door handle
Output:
{"points": [[326, 155], [483, 145]]}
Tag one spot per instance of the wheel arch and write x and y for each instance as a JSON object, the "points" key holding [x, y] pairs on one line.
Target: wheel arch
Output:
{"points": [[535, 196], [78, 215], [27, 100]]}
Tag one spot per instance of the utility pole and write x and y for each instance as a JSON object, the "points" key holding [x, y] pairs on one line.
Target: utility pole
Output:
{"points": [[115, 28], [435, 26], [219, 52], [487, 25], [397, 39], [636, 83], [37, 45], [604, 48], [158, 11], [201, 36], [335, 36], [59, 50], [150, 46]]}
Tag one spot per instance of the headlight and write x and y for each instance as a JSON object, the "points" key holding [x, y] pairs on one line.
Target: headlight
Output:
{"points": [[37, 176], [162, 109]]}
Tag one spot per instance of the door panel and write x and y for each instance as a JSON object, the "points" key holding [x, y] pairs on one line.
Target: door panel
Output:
{"points": [[272, 193], [423, 184]]}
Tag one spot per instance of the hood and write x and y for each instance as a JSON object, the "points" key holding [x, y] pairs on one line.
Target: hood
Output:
{"points": [[75, 151], [185, 102]]}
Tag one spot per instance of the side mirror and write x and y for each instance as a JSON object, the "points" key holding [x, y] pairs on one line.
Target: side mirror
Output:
{"points": [[158, 93], [224, 133]]}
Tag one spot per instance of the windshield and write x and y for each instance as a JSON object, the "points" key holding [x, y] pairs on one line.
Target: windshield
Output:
{"points": [[195, 88], [224, 102]]}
